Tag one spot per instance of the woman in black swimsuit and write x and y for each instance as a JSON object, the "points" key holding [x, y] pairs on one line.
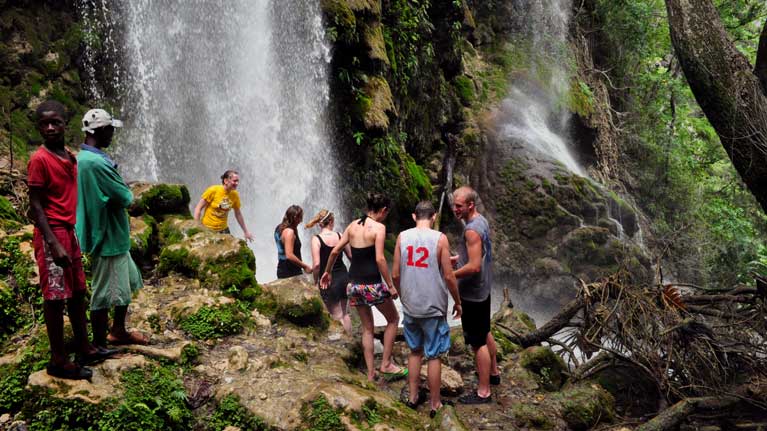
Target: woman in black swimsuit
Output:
{"points": [[322, 244], [370, 283], [289, 261]]}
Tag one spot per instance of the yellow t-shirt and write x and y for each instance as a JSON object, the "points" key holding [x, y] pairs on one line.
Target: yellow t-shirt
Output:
{"points": [[219, 204]]}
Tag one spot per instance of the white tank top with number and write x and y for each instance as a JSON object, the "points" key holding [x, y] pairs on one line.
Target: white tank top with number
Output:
{"points": [[422, 289]]}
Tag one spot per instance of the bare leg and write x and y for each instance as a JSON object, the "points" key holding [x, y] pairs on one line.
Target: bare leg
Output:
{"points": [[366, 318], [337, 312], [53, 312], [118, 324], [435, 382], [414, 373], [492, 350], [482, 358], [100, 325], [389, 311], [76, 308]]}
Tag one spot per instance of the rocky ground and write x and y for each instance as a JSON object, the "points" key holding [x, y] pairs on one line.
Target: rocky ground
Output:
{"points": [[226, 351]]}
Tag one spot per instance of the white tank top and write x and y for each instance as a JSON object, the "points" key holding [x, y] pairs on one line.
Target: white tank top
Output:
{"points": [[422, 288]]}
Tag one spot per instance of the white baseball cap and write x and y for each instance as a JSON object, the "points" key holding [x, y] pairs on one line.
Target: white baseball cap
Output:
{"points": [[96, 118]]}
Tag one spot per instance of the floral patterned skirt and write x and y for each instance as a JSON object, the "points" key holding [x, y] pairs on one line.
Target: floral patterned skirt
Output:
{"points": [[367, 294]]}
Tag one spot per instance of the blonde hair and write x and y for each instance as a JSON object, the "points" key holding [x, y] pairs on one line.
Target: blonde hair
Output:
{"points": [[323, 218]]}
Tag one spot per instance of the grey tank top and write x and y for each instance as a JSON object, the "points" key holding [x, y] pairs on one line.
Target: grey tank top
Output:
{"points": [[422, 288], [476, 288]]}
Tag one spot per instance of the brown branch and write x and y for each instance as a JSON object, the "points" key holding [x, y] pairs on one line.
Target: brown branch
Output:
{"points": [[545, 332], [674, 415], [710, 299]]}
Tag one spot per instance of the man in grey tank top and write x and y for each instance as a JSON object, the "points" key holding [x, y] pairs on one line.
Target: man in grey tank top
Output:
{"points": [[423, 275], [474, 274]]}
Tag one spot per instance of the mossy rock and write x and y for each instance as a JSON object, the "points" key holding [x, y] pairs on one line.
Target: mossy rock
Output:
{"points": [[374, 41], [340, 17], [298, 301], [142, 237], [516, 320], [209, 322], [464, 86], [219, 261], [584, 406], [378, 104], [370, 8], [159, 200], [533, 416], [174, 229], [546, 365]]}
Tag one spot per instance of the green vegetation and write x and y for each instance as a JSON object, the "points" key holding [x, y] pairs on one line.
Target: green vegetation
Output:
{"points": [[154, 399], [318, 415], [546, 365], [16, 289], [13, 377], [529, 415], [585, 406], [209, 322], [229, 412], [702, 214]]}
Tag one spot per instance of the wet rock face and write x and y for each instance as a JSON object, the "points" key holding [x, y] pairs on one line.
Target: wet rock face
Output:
{"points": [[553, 227]]}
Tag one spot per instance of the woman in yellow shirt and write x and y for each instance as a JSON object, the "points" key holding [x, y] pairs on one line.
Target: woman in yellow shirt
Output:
{"points": [[216, 202]]}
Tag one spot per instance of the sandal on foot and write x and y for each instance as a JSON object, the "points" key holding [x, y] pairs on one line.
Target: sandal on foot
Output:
{"points": [[100, 355], [434, 412], [133, 337], [396, 375], [75, 373], [419, 399], [474, 398], [495, 380]]}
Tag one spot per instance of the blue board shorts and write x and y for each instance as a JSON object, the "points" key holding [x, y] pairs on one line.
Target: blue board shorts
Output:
{"points": [[432, 334]]}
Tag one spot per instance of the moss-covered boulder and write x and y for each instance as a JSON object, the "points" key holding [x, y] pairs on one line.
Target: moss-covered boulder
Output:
{"points": [[297, 301], [375, 104], [447, 420], [584, 406], [142, 238], [591, 252], [548, 367], [219, 261], [506, 322], [533, 416], [370, 8], [159, 200], [174, 229]]}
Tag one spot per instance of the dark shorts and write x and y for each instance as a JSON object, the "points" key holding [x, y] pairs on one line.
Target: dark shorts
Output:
{"points": [[367, 294], [59, 283], [336, 292], [476, 322]]}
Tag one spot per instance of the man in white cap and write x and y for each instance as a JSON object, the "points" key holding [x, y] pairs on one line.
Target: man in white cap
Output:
{"points": [[104, 231]]}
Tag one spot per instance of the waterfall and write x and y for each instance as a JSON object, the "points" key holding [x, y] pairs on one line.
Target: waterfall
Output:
{"points": [[207, 86], [534, 111]]}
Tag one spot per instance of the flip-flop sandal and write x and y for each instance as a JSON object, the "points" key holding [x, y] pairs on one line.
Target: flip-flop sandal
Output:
{"points": [[134, 337], [76, 373], [390, 377], [434, 412], [100, 355]]}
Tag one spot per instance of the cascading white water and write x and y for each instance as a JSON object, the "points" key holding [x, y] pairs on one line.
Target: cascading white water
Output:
{"points": [[228, 84], [533, 112]]}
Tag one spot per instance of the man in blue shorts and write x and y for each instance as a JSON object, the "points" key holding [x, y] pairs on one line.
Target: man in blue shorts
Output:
{"points": [[423, 275]]}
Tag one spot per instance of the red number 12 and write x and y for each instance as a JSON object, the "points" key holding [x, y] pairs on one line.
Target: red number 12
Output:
{"points": [[420, 263]]}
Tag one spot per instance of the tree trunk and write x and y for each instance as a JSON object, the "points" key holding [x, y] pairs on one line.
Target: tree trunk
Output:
{"points": [[725, 86]]}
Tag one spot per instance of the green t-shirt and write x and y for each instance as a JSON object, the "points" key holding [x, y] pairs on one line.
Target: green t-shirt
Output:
{"points": [[102, 226]]}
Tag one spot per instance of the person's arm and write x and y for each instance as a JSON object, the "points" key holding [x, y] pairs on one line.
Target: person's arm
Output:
{"points": [[60, 255], [474, 249], [241, 222], [326, 275], [199, 209], [395, 275], [447, 273], [315, 259], [383, 268], [289, 239], [111, 184]]}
